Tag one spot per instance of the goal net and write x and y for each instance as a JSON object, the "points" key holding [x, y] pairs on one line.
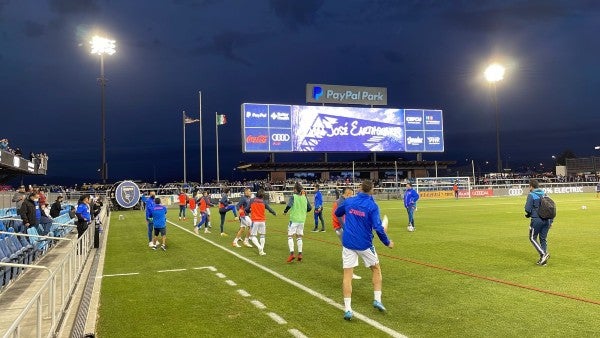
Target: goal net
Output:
{"points": [[443, 187]]}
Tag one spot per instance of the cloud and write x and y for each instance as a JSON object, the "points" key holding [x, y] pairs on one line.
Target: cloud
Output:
{"points": [[295, 13], [65, 7], [225, 43], [33, 29]]}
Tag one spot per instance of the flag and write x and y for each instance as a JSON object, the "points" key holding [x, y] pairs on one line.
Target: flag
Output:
{"points": [[187, 120], [221, 119]]}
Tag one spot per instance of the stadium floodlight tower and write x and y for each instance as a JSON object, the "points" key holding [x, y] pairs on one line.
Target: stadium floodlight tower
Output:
{"points": [[494, 73], [102, 46]]}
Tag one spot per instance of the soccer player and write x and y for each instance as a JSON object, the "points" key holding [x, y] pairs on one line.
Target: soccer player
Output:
{"points": [[194, 207], [183, 200], [538, 227], [158, 213], [338, 222], [362, 217], [149, 205], [299, 206], [318, 213], [455, 189], [204, 214], [245, 221], [257, 215], [411, 197], [225, 205]]}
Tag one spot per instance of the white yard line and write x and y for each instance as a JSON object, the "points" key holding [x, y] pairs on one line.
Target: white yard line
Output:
{"points": [[258, 304], [297, 334], [302, 287], [277, 318], [120, 274], [220, 275], [243, 293], [230, 282], [173, 270]]}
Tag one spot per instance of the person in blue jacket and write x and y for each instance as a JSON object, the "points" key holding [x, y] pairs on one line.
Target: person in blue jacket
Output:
{"points": [[318, 211], [158, 214], [538, 227], [149, 206], [361, 218], [411, 196]]}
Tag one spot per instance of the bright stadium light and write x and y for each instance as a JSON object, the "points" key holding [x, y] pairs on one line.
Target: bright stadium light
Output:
{"points": [[102, 46], [494, 72], [597, 147]]}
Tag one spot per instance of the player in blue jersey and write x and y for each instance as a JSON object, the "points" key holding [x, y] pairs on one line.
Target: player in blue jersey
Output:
{"points": [[149, 206], [411, 196], [245, 221], [318, 211], [361, 218], [226, 205], [158, 213]]}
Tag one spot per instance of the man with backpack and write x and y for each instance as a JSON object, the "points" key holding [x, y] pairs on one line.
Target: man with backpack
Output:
{"points": [[541, 210]]}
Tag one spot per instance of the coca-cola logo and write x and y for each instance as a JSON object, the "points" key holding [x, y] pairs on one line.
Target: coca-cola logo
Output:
{"points": [[256, 139]]}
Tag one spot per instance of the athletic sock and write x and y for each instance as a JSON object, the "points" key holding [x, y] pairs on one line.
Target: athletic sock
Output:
{"points": [[299, 241], [377, 296], [348, 304], [291, 244], [262, 242], [255, 242]]}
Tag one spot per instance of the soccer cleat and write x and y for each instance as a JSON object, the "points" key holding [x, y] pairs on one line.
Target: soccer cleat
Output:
{"points": [[378, 306], [299, 257], [290, 258], [196, 230], [184, 218], [348, 315], [163, 247], [262, 253], [315, 230], [206, 231], [544, 259], [151, 244], [180, 218], [322, 230], [235, 245], [356, 276], [224, 234], [153, 247], [247, 244]]}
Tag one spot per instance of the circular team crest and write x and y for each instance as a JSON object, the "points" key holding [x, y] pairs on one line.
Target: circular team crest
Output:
{"points": [[127, 194]]}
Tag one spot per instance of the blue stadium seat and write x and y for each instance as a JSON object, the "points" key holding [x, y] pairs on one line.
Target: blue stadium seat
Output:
{"points": [[38, 243], [14, 257], [2, 228], [25, 250], [5, 271]]}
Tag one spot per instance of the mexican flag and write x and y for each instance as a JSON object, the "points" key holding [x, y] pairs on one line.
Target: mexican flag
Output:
{"points": [[221, 119]]}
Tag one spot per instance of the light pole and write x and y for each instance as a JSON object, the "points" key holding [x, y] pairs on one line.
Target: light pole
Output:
{"points": [[101, 46], [494, 73]]}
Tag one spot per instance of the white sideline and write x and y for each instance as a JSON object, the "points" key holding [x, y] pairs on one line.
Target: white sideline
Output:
{"points": [[243, 293], [306, 289], [277, 318], [230, 282], [172, 270], [120, 274], [297, 334], [258, 304]]}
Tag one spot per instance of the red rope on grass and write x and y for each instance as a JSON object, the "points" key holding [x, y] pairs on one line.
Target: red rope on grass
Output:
{"points": [[470, 274]]}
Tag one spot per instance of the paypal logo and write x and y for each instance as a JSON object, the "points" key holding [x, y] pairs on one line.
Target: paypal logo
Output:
{"points": [[317, 92]]}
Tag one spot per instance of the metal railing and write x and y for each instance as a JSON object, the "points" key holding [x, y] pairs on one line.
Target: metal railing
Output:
{"points": [[41, 315]]}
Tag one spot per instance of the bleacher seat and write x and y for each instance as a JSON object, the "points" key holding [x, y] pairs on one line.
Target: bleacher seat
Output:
{"points": [[5, 271], [38, 243], [13, 257]]}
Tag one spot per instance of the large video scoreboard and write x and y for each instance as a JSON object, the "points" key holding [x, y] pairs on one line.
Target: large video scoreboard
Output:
{"points": [[293, 128]]}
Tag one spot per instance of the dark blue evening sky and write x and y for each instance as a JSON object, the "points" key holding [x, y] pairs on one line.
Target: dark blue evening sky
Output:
{"points": [[429, 54]]}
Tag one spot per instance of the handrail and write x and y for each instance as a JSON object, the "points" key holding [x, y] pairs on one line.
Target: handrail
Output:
{"points": [[39, 236]]}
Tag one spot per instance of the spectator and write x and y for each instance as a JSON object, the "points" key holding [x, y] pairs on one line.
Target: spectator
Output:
{"points": [[4, 144], [56, 207], [18, 198], [30, 210]]}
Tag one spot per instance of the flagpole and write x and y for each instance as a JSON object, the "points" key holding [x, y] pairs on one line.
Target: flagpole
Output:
{"points": [[217, 134], [184, 164], [200, 117]]}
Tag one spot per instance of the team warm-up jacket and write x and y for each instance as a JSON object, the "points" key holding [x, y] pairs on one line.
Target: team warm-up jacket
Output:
{"points": [[411, 196], [159, 216], [242, 205], [361, 218], [149, 205]]}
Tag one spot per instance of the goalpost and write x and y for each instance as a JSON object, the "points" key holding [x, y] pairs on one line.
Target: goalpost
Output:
{"points": [[442, 187]]}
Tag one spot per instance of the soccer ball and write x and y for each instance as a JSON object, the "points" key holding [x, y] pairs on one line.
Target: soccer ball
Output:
{"points": [[584, 207], [384, 223]]}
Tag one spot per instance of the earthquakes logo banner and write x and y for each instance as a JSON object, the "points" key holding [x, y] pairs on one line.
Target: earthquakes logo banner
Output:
{"points": [[127, 194]]}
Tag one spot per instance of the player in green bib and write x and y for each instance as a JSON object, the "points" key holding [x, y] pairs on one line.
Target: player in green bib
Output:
{"points": [[299, 206]]}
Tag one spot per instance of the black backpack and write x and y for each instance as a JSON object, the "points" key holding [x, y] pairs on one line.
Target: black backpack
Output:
{"points": [[547, 209]]}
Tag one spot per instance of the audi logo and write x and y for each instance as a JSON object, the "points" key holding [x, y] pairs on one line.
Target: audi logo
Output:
{"points": [[280, 137], [515, 192]]}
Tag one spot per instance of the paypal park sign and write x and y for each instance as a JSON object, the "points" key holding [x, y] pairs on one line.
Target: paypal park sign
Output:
{"points": [[321, 93], [293, 128]]}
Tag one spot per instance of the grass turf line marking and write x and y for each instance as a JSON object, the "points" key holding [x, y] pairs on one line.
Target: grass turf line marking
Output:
{"points": [[302, 287], [220, 275], [211, 268], [470, 274], [230, 282], [258, 304], [173, 270], [243, 293], [297, 334], [120, 274], [277, 318]]}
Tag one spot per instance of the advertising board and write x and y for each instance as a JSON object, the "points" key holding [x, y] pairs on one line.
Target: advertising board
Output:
{"points": [[295, 128]]}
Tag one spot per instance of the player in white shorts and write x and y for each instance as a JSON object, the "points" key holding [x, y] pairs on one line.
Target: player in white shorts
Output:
{"points": [[298, 206], [245, 221], [361, 218]]}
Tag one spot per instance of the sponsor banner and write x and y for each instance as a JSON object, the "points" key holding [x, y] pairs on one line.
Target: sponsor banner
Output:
{"points": [[323, 93], [433, 120], [127, 194], [482, 192], [437, 194], [292, 128], [562, 190], [517, 191]]}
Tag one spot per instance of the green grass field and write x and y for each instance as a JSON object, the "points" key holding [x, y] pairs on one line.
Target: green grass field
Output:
{"points": [[468, 270]]}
